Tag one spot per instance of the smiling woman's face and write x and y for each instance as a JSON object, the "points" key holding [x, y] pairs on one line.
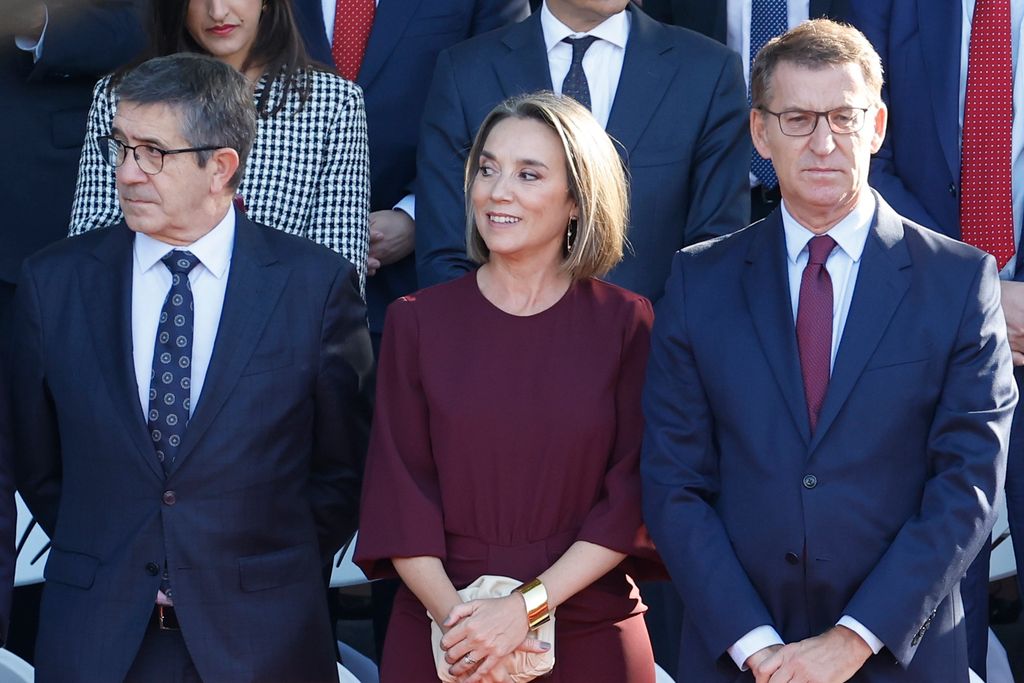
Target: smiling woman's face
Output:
{"points": [[225, 28]]}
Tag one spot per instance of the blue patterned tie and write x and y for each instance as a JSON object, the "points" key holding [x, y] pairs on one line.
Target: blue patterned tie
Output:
{"points": [[575, 84], [768, 18], [170, 381]]}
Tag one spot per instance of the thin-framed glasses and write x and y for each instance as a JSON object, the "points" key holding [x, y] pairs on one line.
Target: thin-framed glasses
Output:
{"points": [[797, 123], [149, 158]]}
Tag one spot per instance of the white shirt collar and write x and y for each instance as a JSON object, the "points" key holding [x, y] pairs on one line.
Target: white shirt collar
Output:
{"points": [[614, 29], [212, 249], [851, 233]]}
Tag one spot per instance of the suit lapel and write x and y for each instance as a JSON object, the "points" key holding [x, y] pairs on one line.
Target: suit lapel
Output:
{"points": [[255, 283], [939, 24], [525, 67], [108, 282], [766, 288], [389, 24], [644, 80], [882, 282]]}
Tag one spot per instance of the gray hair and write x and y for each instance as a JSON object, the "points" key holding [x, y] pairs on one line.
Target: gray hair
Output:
{"points": [[214, 100]]}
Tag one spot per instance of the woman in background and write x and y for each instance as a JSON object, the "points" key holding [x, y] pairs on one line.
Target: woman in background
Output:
{"points": [[507, 434], [308, 173]]}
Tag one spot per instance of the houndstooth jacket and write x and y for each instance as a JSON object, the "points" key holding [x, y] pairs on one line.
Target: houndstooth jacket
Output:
{"points": [[308, 173]]}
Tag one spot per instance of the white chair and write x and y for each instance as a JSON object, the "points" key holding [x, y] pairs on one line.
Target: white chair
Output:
{"points": [[14, 669], [661, 676]]}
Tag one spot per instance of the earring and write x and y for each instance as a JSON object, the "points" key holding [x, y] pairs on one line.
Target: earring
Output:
{"points": [[570, 234]]}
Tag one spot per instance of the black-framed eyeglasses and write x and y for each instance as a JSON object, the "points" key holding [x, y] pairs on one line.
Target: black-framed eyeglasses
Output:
{"points": [[149, 158], [797, 123]]}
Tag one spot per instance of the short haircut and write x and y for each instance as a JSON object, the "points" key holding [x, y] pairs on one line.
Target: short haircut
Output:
{"points": [[596, 178], [213, 99], [815, 44]]}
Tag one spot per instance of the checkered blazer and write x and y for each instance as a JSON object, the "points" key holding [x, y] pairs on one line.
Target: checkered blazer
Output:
{"points": [[308, 173]]}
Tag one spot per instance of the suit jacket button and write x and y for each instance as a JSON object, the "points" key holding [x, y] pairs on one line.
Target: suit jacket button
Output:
{"points": [[169, 498], [792, 558], [152, 568], [810, 481]]}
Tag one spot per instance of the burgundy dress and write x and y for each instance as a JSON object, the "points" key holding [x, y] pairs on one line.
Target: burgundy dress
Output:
{"points": [[500, 440]]}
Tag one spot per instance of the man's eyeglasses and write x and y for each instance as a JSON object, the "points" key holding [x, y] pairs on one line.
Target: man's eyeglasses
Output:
{"points": [[842, 121], [149, 158]]}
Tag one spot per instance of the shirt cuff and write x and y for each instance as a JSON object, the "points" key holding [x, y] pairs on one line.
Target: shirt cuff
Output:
{"points": [[408, 205], [34, 46], [758, 639], [867, 636]]}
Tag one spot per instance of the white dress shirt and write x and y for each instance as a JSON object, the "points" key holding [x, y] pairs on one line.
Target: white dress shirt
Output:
{"points": [[602, 63], [151, 281], [1017, 144], [843, 264]]}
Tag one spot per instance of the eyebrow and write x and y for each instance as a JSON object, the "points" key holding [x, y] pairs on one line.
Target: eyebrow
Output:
{"points": [[520, 162], [155, 142]]}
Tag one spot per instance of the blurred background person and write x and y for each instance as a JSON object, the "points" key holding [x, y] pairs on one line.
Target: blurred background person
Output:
{"points": [[953, 161], [745, 26], [309, 170], [508, 425]]}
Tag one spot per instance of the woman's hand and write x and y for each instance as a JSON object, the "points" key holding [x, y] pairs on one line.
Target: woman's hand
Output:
{"points": [[482, 633]]}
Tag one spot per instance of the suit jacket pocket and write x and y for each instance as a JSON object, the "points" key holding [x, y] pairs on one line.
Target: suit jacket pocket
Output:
{"points": [[278, 568], [265, 362], [73, 569]]}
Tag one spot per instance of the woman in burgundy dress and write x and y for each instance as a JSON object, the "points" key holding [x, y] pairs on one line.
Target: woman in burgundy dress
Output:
{"points": [[507, 434]]}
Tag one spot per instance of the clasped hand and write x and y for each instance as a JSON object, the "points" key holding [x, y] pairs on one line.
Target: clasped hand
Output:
{"points": [[481, 634]]}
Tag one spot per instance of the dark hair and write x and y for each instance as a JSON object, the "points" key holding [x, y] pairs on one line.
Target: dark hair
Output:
{"points": [[214, 101], [278, 48], [815, 44]]}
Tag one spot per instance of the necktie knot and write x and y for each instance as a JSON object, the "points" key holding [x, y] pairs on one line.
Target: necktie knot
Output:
{"points": [[579, 47], [180, 262], [819, 248]]}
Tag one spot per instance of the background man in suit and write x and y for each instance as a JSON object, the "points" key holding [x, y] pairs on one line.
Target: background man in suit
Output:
{"points": [[673, 100], [746, 25], [835, 482], [924, 170], [390, 52], [207, 377], [50, 57]]}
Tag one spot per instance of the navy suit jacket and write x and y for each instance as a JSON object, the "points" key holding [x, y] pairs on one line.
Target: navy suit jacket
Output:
{"points": [[406, 37], [710, 17], [43, 106], [679, 116], [918, 167], [879, 511], [266, 482]]}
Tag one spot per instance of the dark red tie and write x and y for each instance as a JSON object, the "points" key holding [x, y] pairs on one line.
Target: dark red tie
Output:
{"points": [[814, 325], [353, 20], [986, 199]]}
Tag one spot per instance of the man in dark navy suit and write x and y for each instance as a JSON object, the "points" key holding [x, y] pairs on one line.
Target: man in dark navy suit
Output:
{"points": [[672, 100], [50, 57], [826, 435], [394, 72], [191, 401]]}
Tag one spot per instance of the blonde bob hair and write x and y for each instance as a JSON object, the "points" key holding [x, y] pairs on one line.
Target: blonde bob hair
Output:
{"points": [[596, 178]]}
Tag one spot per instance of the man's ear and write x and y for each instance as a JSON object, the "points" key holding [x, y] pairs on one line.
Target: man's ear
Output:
{"points": [[758, 134], [224, 164]]}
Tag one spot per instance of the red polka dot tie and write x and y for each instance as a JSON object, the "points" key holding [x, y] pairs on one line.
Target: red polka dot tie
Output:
{"points": [[986, 199], [814, 325], [353, 20]]}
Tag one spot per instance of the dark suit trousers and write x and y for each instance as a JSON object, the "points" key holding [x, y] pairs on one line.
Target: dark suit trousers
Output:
{"points": [[162, 658]]}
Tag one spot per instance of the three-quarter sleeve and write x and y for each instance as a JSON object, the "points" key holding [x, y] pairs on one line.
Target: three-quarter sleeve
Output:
{"points": [[400, 515], [340, 216], [96, 204], [615, 520]]}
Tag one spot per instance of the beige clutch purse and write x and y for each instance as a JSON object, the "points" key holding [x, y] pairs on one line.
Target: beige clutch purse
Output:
{"points": [[526, 665]]}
